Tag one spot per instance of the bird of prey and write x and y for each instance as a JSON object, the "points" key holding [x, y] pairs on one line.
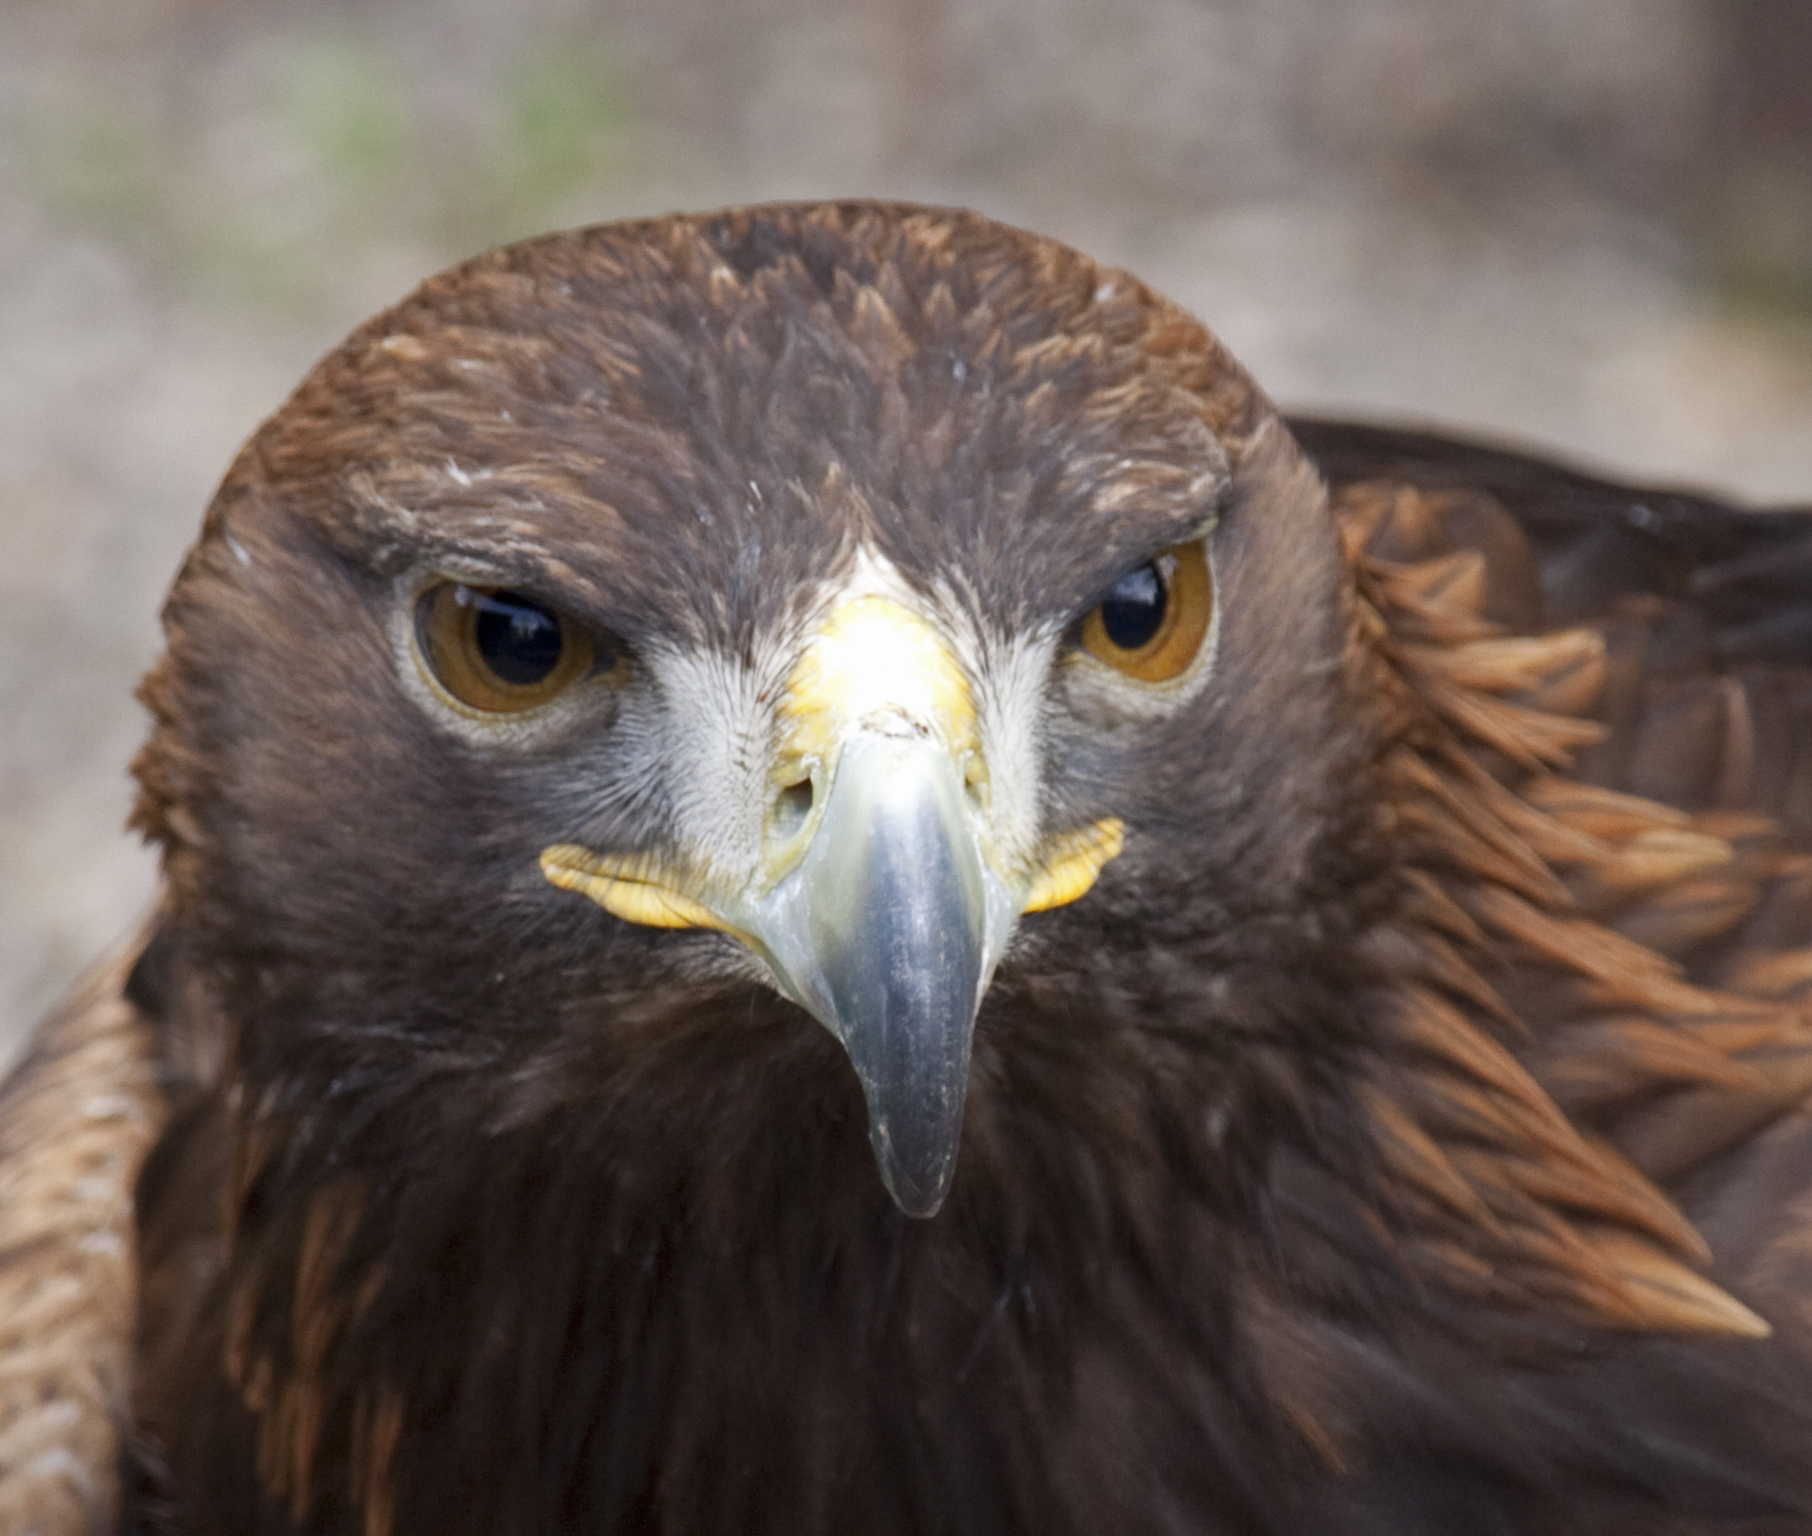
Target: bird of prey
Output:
{"points": [[818, 878]]}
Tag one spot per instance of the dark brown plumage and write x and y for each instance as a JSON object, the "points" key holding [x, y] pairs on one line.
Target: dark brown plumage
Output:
{"points": [[1407, 1132]]}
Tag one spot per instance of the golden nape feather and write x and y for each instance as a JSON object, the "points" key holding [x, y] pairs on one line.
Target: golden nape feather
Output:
{"points": [[818, 878], [1605, 890]]}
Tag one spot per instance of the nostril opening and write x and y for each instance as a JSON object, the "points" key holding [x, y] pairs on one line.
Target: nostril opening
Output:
{"points": [[792, 807], [975, 785]]}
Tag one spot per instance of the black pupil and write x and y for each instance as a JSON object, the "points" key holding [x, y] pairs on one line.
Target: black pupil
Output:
{"points": [[1133, 610], [518, 638]]}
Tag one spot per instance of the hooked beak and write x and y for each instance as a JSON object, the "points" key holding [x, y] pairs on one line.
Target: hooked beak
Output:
{"points": [[887, 932], [885, 913]]}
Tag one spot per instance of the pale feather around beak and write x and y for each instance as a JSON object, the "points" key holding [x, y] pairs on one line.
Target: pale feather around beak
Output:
{"points": [[883, 913]]}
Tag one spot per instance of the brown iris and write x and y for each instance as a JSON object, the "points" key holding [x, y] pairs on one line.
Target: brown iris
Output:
{"points": [[498, 651], [1151, 622]]}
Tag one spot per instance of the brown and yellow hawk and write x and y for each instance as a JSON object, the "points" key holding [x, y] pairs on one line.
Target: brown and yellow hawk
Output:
{"points": [[819, 879]]}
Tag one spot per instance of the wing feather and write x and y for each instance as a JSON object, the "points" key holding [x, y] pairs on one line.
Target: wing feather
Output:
{"points": [[76, 1118]]}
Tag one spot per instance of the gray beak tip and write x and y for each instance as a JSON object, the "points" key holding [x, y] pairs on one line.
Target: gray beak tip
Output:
{"points": [[921, 1205], [918, 1176]]}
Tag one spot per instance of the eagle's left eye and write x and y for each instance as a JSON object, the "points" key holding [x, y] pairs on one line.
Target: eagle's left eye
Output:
{"points": [[498, 651], [1151, 622]]}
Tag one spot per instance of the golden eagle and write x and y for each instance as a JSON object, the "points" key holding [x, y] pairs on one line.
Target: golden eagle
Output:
{"points": [[819, 879]]}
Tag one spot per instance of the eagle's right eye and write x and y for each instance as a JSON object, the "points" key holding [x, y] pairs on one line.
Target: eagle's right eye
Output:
{"points": [[498, 651]]}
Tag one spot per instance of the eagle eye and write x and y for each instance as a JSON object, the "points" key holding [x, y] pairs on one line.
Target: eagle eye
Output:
{"points": [[498, 651], [1151, 622]]}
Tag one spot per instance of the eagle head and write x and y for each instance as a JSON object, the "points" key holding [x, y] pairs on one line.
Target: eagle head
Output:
{"points": [[638, 625]]}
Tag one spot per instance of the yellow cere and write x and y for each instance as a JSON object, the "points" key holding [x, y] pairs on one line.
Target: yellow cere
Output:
{"points": [[1076, 859], [871, 657], [632, 887]]}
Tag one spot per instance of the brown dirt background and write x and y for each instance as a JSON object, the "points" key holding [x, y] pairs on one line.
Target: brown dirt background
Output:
{"points": [[1580, 225]]}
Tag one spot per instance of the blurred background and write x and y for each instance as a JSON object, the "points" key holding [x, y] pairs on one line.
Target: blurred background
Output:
{"points": [[1580, 224]]}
